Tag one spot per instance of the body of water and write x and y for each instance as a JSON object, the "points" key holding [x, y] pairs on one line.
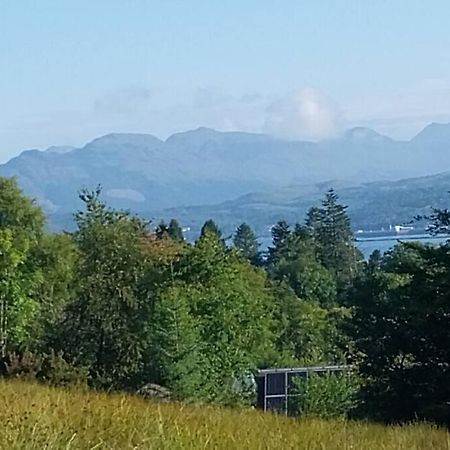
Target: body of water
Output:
{"points": [[383, 243]]}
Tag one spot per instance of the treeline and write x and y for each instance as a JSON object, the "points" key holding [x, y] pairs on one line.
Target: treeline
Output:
{"points": [[118, 305]]}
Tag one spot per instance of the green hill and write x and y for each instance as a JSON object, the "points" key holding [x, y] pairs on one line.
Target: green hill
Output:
{"points": [[371, 206]]}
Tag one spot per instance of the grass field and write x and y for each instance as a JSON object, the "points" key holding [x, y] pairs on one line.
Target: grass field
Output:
{"points": [[39, 417]]}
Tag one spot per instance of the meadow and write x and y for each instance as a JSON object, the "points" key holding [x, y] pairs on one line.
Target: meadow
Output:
{"points": [[34, 416]]}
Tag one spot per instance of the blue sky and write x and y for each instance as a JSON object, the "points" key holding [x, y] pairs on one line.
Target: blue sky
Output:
{"points": [[73, 70]]}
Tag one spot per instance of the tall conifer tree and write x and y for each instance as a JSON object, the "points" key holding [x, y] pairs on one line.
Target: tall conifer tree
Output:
{"points": [[245, 241], [331, 230], [174, 230]]}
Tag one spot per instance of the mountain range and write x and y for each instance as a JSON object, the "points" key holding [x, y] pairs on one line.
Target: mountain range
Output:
{"points": [[206, 167]]}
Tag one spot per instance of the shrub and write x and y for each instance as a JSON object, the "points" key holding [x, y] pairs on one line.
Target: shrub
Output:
{"points": [[57, 371], [325, 395], [52, 368], [21, 365]]}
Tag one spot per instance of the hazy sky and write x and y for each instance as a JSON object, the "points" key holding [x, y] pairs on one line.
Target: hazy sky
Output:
{"points": [[73, 70]]}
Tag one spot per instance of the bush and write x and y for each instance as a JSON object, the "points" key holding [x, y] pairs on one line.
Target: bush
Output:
{"points": [[325, 395], [52, 369], [21, 365], [57, 371]]}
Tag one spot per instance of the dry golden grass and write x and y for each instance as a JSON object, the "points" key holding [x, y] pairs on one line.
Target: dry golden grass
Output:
{"points": [[39, 417]]}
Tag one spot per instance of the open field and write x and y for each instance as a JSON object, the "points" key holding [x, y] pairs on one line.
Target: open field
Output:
{"points": [[37, 417]]}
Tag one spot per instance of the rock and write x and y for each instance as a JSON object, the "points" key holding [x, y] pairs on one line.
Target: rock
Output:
{"points": [[155, 391]]}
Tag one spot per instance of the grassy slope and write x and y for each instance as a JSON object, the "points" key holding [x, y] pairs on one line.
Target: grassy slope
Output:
{"points": [[37, 417]]}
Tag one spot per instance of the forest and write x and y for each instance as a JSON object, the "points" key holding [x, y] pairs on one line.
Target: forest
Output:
{"points": [[120, 303]]}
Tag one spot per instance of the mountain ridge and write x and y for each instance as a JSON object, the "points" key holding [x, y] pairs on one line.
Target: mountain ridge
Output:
{"points": [[204, 166]]}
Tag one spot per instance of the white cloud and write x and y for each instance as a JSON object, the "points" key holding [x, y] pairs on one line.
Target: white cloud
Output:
{"points": [[304, 114], [403, 113]]}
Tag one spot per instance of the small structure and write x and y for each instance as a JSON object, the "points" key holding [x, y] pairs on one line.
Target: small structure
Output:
{"points": [[276, 387], [401, 228]]}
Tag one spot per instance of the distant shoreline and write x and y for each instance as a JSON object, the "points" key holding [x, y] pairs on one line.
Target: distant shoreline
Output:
{"points": [[399, 236]]}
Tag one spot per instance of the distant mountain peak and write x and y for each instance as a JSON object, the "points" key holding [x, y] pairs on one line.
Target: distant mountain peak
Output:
{"points": [[128, 136], [433, 133], [363, 133], [199, 133], [124, 139], [205, 166]]}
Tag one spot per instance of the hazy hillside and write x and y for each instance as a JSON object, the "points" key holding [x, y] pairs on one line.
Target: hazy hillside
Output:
{"points": [[371, 205], [204, 166]]}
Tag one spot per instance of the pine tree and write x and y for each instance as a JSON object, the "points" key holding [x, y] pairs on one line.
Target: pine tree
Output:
{"points": [[314, 219], [280, 234], [174, 231], [176, 354], [297, 264], [246, 243], [211, 227], [331, 230], [162, 230]]}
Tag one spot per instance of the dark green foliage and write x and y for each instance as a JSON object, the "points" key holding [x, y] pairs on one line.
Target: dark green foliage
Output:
{"points": [[56, 371], [325, 395], [244, 240], [17, 211], [280, 232], [48, 368], [176, 348], [162, 230], [120, 308], [228, 301], [306, 291], [401, 328], [375, 260], [57, 257], [294, 261], [331, 231], [21, 228], [104, 326], [438, 221], [174, 231], [306, 332], [210, 227], [21, 365], [309, 317]]}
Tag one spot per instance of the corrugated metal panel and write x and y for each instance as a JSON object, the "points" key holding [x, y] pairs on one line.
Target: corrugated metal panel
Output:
{"points": [[275, 384]]}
